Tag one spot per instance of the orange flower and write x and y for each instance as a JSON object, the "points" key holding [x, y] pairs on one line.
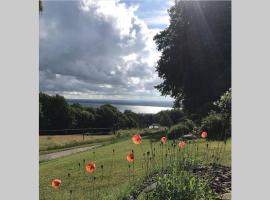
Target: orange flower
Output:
{"points": [[90, 167], [163, 140], [137, 139], [204, 134], [56, 183], [182, 144], [130, 157]]}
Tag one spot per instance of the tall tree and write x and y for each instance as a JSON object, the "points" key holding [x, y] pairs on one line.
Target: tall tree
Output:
{"points": [[195, 64]]}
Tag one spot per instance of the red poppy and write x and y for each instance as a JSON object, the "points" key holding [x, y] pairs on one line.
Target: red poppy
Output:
{"points": [[56, 183], [137, 139], [182, 144], [130, 157], [204, 134], [90, 167], [163, 140]]}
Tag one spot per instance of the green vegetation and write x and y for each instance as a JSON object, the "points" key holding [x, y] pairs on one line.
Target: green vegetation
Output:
{"points": [[54, 143], [182, 186], [196, 54], [115, 179], [56, 113]]}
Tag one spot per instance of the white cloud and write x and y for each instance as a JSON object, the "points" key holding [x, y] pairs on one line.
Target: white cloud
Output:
{"points": [[96, 49]]}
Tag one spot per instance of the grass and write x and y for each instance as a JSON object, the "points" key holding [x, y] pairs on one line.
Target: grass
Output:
{"points": [[49, 144], [55, 143], [114, 181]]}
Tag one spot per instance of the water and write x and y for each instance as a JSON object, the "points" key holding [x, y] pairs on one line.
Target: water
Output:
{"points": [[137, 106]]}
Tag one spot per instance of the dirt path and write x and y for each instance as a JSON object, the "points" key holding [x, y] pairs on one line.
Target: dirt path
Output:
{"points": [[60, 154]]}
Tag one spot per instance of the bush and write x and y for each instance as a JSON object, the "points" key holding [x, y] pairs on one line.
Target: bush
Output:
{"points": [[181, 129], [214, 125], [184, 186]]}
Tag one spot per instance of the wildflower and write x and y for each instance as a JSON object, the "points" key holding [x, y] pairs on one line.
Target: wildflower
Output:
{"points": [[56, 183], [182, 144], [163, 140], [204, 134], [90, 167], [137, 139], [130, 157]]}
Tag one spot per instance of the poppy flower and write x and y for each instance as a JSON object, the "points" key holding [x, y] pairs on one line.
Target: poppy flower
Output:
{"points": [[163, 140], [204, 134], [137, 139], [56, 183], [90, 167], [182, 144], [130, 157]]}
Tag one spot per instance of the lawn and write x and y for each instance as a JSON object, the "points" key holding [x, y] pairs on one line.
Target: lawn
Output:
{"points": [[114, 180]]}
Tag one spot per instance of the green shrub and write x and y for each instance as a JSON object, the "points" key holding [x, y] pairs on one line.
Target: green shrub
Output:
{"points": [[181, 129], [184, 186], [214, 125]]}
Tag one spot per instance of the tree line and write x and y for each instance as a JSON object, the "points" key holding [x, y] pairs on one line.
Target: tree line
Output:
{"points": [[56, 113]]}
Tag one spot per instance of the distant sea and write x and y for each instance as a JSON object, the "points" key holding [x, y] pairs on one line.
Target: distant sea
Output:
{"points": [[137, 106]]}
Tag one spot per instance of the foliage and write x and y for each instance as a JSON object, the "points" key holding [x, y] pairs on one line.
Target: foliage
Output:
{"points": [[213, 124], [184, 186], [224, 106], [164, 118], [218, 122], [56, 113], [224, 103], [196, 54], [181, 129]]}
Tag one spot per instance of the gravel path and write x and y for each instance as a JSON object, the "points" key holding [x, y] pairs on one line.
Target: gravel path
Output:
{"points": [[60, 154]]}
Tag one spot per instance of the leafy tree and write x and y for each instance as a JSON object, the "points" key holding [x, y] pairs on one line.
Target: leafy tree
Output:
{"points": [[107, 116], [176, 115], [195, 64], [132, 119], [55, 112], [164, 119]]}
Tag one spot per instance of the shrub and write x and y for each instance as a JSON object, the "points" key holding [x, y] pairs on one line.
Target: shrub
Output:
{"points": [[214, 125], [184, 186], [181, 129]]}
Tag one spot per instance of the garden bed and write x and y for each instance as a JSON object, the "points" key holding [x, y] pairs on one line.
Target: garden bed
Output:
{"points": [[219, 180]]}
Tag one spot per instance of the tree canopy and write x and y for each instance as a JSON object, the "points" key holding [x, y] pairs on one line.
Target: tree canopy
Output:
{"points": [[56, 113], [195, 64]]}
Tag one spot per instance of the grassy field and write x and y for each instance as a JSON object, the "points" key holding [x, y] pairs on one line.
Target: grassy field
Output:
{"points": [[54, 143], [49, 143], [114, 180]]}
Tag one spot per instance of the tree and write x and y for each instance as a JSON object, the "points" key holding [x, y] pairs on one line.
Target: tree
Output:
{"points": [[107, 116], [132, 119], [55, 111], [195, 64]]}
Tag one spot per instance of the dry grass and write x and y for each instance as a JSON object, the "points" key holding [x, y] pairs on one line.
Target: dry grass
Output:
{"points": [[61, 141]]}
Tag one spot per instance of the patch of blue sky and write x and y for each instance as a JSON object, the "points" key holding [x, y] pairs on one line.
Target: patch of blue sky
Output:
{"points": [[153, 12]]}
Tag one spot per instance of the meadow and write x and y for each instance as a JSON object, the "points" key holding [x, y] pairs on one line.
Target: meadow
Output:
{"points": [[59, 142], [115, 177]]}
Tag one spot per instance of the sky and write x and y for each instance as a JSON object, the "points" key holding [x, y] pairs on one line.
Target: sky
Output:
{"points": [[101, 49]]}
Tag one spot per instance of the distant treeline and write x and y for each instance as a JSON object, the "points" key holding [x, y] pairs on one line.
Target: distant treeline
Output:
{"points": [[56, 113]]}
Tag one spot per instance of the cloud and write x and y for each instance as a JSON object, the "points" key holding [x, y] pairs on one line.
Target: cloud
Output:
{"points": [[96, 49]]}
